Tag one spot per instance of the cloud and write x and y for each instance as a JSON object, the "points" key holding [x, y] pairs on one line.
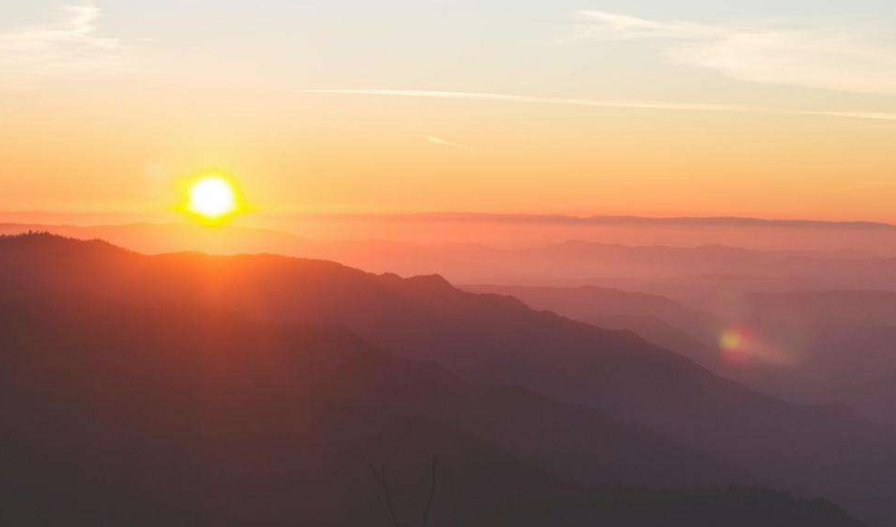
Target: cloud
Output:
{"points": [[71, 46], [438, 141], [622, 104], [833, 59], [601, 25], [478, 96], [875, 116]]}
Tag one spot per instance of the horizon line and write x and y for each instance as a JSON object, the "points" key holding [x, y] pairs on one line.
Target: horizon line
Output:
{"points": [[590, 219]]}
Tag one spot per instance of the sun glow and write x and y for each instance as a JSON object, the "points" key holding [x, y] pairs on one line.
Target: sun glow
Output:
{"points": [[212, 199]]}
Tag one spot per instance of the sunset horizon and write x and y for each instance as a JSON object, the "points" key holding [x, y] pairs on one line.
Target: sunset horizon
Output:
{"points": [[783, 113], [479, 263]]}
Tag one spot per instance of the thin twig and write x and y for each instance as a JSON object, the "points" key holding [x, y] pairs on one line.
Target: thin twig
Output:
{"points": [[432, 492], [381, 478]]}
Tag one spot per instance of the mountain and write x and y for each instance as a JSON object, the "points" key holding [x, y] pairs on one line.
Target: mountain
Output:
{"points": [[654, 317], [115, 414], [499, 341], [829, 344], [722, 221], [687, 273], [873, 395], [118, 413], [598, 302]]}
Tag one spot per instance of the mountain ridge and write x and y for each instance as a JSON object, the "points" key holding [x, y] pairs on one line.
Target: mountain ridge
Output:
{"points": [[499, 341]]}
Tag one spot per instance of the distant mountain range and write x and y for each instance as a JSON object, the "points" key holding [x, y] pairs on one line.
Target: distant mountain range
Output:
{"points": [[598, 219], [686, 273], [711, 221], [687, 415]]}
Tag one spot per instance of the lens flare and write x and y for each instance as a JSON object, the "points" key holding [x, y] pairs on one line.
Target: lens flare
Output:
{"points": [[735, 345], [731, 339], [740, 345]]}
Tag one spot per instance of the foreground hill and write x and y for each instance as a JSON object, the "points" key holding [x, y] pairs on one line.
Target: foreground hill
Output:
{"points": [[143, 416], [500, 341]]}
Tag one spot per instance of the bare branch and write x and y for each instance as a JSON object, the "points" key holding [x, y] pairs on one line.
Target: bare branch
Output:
{"points": [[432, 492], [380, 476]]}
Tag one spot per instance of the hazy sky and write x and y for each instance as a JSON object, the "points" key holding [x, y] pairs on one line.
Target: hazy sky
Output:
{"points": [[761, 108]]}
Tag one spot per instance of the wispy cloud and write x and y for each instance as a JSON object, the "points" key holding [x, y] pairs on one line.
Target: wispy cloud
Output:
{"points": [[438, 141], [70, 46], [602, 25], [875, 116], [500, 97], [622, 104], [828, 58]]}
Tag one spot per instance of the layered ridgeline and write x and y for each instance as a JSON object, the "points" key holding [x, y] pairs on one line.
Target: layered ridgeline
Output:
{"points": [[116, 414], [682, 269], [264, 414], [835, 346]]}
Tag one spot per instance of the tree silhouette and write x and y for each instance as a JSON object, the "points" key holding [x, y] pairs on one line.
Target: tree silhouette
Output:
{"points": [[380, 476]]}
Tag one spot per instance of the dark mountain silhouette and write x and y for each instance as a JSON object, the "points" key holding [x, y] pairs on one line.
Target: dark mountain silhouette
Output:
{"points": [[498, 340], [656, 318], [143, 416], [563, 435], [120, 414]]}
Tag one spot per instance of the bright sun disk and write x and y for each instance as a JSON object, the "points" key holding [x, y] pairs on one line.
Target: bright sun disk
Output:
{"points": [[212, 197]]}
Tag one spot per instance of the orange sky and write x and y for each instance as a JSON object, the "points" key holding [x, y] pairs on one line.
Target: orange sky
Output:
{"points": [[559, 137]]}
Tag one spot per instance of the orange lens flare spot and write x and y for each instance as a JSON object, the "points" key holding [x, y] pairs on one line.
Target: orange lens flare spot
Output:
{"points": [[731, 340], [740, 345], [736, 346]]}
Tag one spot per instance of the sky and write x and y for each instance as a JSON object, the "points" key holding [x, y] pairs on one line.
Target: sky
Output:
{"points": [[782, 109]]}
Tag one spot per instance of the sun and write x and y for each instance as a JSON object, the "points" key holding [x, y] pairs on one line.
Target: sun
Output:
{"points": [[212, 198]]}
